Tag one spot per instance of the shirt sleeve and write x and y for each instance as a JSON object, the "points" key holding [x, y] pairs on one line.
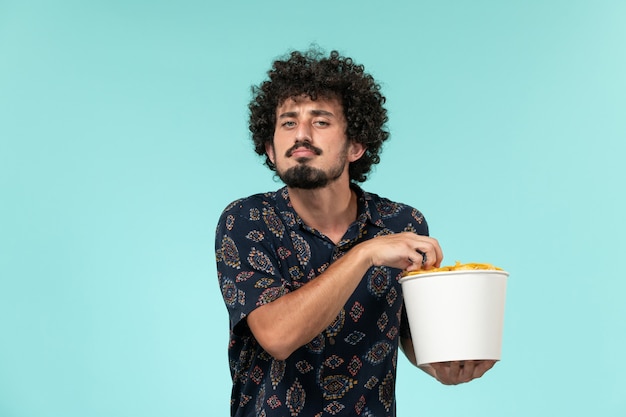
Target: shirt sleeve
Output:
{"points": [[246, 251]]}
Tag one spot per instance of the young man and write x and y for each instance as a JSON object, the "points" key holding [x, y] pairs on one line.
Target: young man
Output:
{"points": [[310, 273]]}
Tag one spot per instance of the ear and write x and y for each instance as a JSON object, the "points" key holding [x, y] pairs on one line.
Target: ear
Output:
{"points": [[356, 151], [269, 151]]}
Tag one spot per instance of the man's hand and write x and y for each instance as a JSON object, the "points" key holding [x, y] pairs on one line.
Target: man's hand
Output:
{"points": [[405, 250], [458, 372]]}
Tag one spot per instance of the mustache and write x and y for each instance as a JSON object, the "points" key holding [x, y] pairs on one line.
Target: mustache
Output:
{"points": [[306, 145]]}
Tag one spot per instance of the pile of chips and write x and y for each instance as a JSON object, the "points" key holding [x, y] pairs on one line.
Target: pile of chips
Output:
{"points": [[457, 267]]}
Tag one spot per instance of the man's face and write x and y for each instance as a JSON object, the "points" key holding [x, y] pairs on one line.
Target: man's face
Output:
{"points": [[310, 148]]}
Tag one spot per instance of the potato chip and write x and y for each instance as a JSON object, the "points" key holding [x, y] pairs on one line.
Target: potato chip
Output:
{"points": [[458, 266]]}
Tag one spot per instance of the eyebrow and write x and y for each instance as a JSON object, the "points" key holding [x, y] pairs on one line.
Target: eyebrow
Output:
{"points": [[313, 112]]}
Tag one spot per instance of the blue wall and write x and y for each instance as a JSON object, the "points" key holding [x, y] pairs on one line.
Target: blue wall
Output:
{"points": [[123, 135]]}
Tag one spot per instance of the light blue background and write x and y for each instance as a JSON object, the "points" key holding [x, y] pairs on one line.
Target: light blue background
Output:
{"points": [[123, 135]]}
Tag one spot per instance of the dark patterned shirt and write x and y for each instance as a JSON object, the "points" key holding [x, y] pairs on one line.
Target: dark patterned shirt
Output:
{"points": [[263, 251]]}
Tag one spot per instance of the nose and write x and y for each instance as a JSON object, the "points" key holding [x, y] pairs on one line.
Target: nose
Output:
{"points": [[303, 133]]}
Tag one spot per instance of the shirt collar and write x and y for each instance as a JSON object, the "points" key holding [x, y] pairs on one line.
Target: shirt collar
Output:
{"points": [[366, 209]]}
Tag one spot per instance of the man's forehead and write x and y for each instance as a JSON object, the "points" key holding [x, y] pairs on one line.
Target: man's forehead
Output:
{"points": [[323, 101]]}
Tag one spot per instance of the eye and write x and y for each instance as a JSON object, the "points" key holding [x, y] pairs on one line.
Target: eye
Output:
{"points": [[288, 123], [321, 123]]}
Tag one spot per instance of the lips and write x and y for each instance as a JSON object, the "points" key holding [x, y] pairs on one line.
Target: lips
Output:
{"points": [[302, 152], [303, 149]]}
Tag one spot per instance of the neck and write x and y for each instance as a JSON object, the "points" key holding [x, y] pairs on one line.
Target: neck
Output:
{"points": [[330, 210]]}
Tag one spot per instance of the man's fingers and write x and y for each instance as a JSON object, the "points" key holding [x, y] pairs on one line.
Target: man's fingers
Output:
{"points": [[458, 372], [443, 373], [467, 371], [482, 367], [429, 251]]}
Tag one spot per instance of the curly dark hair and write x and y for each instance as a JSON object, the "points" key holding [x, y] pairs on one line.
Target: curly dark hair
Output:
{"points": [[314, 75]]}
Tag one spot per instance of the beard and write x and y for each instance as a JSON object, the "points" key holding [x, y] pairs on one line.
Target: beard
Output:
{"points": [[308, 178]]}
